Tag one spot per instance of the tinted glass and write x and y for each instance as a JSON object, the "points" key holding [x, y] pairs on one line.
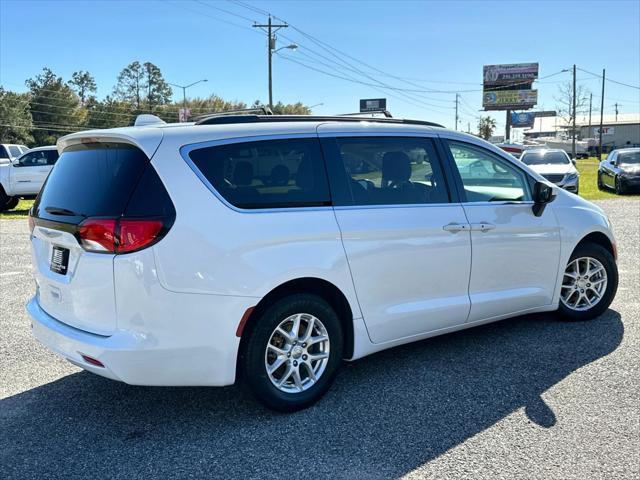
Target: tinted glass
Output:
{"points": [[629, 157], [91, 180], [34, 159], [3, 152], [52, 157], [14, 151], [486, 177], [391, 170], [545, 158], [266, 174]]}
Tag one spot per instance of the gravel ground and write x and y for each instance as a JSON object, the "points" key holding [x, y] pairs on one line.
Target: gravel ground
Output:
{"points": [[529, 397]]}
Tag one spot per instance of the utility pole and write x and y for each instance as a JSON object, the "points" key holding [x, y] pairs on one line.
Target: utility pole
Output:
{"points": [[507, 133], [573, 132], [601, 117], [468, 127], [271, 46], [456, 111], [616, 107], [590, 102]]}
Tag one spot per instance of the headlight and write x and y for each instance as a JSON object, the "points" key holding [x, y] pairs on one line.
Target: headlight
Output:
{"points": [[571, 177]]}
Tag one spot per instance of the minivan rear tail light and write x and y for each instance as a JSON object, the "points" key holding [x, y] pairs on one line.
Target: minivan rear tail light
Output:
{"points": [[98, 235], [123, 235]]}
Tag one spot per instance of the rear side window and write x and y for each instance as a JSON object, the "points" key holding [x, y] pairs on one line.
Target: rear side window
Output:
{"points": [[52, 157], [266, 174], [91, 180], [14, 150], [391, 171], [3, 152]]}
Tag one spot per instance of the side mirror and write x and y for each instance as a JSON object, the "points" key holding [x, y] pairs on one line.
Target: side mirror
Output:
{"points": [[542, 194]]}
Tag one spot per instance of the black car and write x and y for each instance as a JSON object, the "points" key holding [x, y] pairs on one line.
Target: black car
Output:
{"points": [[620, 170]]}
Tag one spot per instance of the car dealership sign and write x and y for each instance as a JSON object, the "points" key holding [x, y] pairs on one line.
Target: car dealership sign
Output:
{"points": [[495, 75], [508, 86], [509, 99]]}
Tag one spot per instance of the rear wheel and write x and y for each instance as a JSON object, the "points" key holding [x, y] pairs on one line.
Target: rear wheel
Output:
{"points": [[293, 352], [589, 283], [12, 203], [6, 200]]}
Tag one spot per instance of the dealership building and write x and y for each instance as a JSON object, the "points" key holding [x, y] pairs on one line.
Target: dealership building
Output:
{"points": [[618, 131]]}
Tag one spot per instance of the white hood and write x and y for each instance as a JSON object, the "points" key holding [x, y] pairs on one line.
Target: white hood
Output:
{"points": [[560, 169]]}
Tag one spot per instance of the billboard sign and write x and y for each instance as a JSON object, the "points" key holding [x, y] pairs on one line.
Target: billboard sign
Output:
{"points": [[509, 99], [545, 113], [373, 104], [498, 75], [522, 119]]}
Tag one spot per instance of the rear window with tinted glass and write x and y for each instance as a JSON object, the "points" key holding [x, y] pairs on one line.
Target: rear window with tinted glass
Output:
{"points": [[266, 174], [91, 180]]}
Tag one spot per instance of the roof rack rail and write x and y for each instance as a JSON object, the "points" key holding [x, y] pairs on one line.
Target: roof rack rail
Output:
{"points": [[240, 111], [386, 113], [228, 119]]}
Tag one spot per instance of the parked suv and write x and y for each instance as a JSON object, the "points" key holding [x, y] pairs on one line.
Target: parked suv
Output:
{"points": [[270, 248], [25, 175]]}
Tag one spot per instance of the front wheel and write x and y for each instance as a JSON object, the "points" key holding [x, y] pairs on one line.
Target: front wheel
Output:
{"points": [[293, 352], [619, 187], [600, 185], [589, 283]]}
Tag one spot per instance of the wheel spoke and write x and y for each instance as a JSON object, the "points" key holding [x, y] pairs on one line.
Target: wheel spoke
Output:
{"points": [[295, 329], [309, 330], [277, 364], [286, 375], [317, 339], [287, 335], [312, 374], [296, 378], [317, 356], [278, 351]]}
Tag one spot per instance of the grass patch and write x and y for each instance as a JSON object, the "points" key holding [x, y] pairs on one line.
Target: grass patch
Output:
{"points": [[21, 210]]}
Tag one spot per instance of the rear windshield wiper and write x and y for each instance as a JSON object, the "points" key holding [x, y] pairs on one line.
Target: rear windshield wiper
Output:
{"points": [[63, 211]]}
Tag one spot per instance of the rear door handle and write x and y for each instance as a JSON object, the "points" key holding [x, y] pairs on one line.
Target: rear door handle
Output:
{"points": [[455, 227], [482, 227]]}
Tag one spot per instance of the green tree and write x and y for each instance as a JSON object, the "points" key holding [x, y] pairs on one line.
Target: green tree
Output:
{"points": [[291, 109], [83, 84], [131, 85], [108, 113], [55, 107], [486, 126], [15, 117], [158, 90]]}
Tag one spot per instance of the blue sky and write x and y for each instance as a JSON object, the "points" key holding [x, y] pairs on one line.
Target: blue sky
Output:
{"points": [[432, 45]]}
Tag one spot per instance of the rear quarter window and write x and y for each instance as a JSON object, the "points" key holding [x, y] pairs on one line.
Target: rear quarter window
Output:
{"points": [[266, 174]]}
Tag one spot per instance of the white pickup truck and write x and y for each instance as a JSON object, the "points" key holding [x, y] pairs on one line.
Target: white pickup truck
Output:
{"points": [[25, 175]]}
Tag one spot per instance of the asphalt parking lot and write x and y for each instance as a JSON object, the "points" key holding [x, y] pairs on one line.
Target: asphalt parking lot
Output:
{"points": [[530, 397]]}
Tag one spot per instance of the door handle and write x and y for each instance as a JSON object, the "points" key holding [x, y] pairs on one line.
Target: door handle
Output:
{"points": [[455, 227], [482, 227]]}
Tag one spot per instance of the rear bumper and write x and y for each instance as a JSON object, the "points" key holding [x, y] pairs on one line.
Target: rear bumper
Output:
{"points": [[144, 358]]}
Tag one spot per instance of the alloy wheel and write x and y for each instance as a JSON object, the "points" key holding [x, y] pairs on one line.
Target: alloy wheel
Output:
{"points": [[297, 353], [583, 284]]}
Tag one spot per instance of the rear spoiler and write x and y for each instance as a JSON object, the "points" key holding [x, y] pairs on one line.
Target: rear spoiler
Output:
{"points": [[146, 139]]}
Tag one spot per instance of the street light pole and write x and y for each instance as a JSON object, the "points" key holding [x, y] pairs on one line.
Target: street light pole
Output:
{"points": [[184, 91], [271, 49]]}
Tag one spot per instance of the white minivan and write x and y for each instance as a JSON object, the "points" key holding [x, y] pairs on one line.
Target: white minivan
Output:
{"points": [[269, 248]]}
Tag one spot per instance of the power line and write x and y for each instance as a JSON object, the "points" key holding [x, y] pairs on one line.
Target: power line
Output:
{"points": [[609, 79]]}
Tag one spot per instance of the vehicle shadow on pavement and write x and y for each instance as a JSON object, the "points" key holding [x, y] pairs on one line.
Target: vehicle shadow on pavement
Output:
{"points": [[385, 416]]}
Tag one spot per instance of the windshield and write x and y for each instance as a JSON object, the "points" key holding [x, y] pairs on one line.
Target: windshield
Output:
{"points": [[629, 157], [544, 158]]}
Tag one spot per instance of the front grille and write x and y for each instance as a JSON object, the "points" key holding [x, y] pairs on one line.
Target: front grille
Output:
{"points": [[554, 177]]}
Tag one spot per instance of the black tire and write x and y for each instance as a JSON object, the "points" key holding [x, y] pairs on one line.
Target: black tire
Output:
{"points": [[12, 203], [608, 262], [254, 372], [619, 187], [4, 199], [600, 185]]}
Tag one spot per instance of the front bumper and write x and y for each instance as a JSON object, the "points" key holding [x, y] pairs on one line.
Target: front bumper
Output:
{"points": [[571, 185], [630, 182]]}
